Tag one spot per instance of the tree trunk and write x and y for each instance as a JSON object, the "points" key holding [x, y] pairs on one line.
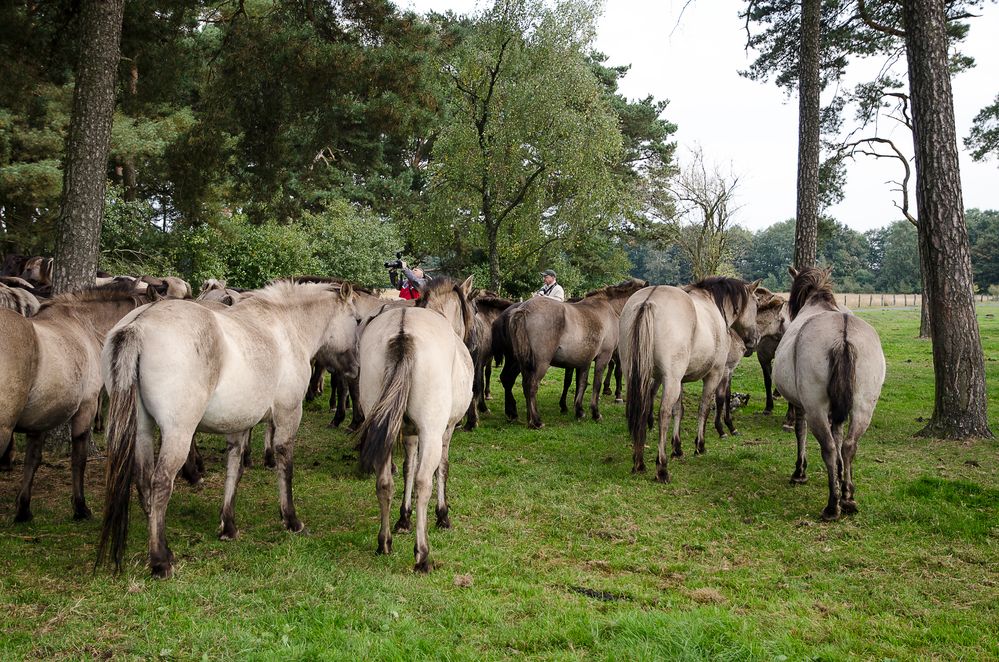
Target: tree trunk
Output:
{"points": [[809, 110], [959, 410], [924, 308], [78, 229]]}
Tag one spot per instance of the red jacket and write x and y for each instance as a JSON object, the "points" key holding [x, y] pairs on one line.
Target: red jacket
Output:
{"points": [[407, 291]]}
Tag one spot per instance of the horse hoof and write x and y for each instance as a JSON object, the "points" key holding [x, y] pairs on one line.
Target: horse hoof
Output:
{"points": [[82, 514], [787, 428], [384, 547], [23, 516], [640, 469], [722, 435], [662, 476], [443, 522], [830, 514], [488, 397], [295, 526], [799, 479], [423, 567], [162, 570], [598, 418], [229, 534], [767, 412], [535, 426], [848, 506], [402, 526], [332, 425]]}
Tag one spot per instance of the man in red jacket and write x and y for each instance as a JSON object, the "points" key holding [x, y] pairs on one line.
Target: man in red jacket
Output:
{"points": [[410, 286]]}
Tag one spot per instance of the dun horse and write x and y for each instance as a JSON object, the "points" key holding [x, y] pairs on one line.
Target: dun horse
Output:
{"points": [[50, 368], [542, 332], [416, 379], [670, 336], [488, 308], [186, 368], [830, 367]]}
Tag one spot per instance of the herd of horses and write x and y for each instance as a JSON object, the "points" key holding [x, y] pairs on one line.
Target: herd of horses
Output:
{"points": [[412, 370]]}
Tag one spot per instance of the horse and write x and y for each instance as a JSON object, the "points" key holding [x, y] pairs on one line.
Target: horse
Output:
{"points": [[185, 368], [670, 336], [50, 368], [769, 324], [543, 332], [488, 307], [829, 367], [416, 379], [216, 290]]}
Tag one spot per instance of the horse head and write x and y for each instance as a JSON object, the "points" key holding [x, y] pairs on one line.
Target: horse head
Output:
{"points": [[453, 301], [808, 284]]}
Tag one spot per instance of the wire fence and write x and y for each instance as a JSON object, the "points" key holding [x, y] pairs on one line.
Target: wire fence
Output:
{"points": [[890, 300]]}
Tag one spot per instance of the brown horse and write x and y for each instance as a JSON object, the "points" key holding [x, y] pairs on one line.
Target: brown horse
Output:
{"points": [[670, 336], [829, 367], [50, 368], [488, 307], [543, 332]]}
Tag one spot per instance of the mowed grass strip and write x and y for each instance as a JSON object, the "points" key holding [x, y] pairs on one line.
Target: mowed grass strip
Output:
{"points": [[557, 551]]}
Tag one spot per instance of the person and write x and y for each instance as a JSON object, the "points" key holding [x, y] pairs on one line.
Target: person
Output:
{"points": [[551, 288], [409, 287]]}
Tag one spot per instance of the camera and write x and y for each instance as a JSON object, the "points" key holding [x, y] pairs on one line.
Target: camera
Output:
{"points": [[396, 263]]}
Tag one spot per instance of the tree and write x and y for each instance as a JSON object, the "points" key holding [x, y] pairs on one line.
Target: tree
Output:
{"points": [[959, 367], [809, 148], [528, 145], [705, 202], [983, 233], [983, 141]]}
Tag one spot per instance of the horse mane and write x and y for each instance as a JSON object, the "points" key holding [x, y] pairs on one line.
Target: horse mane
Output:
{"points": [[331, 281], [628, 286], [285, 290], [443, 285], [113, 291], [811, 282], [722, 289], [492, 302]]}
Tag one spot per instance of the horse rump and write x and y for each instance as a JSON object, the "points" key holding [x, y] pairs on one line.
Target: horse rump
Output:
{"points": [[640, 376]]}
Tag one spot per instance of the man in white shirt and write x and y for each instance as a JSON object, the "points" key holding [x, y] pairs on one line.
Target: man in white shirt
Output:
{"points": [[551, 289]]}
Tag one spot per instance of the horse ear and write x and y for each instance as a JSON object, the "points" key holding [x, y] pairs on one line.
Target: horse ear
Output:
{"points": [[829, 270], [793, 272], [466, 287], [346, 291], [157, 292], [755, 284]]}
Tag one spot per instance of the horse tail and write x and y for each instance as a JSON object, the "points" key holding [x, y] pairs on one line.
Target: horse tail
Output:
{"points": [[842, 369], [382, 424], [122, 359], [640, 372], [520, 342], [500, 340]]}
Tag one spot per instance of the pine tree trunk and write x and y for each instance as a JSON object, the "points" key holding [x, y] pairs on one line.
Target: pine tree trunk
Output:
{"points": [[85, 178], [924, 308], [959, 410], [809, 110], [78, 229]]}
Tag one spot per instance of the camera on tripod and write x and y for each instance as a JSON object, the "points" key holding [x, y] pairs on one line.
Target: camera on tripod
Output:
{"points": [[396, 263]]}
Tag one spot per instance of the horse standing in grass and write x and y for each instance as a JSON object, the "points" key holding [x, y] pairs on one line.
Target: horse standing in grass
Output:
{"points": [[50, 369], [488, 308], [829, 367], [543, 332], [416, 379], [670, 336], [187, 368]]}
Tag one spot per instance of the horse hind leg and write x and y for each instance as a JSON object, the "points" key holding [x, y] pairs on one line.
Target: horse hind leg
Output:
{"points": [[859, 421], [235, 444], [410, 445], [174, 450], [384, 488], [7, 456], [566, 385], [508, 377], [32, 458], [711, 384], [582, 381], [830, 455], [80, 430], [598, 374], [671, 393], [428, 461], [800, 474], [443, 508], [720, 407], [531, 381]]}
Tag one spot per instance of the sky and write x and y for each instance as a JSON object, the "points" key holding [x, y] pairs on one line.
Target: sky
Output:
{"points": [[749, 128]]}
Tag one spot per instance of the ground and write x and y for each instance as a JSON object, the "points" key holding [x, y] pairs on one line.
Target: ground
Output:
{"points": [[556, 550]]}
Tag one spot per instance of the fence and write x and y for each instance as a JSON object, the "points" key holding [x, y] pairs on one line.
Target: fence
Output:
{"points": [[890, 300]]}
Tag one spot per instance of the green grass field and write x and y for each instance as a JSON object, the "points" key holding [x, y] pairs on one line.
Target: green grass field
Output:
{"points": [[557, 551]]}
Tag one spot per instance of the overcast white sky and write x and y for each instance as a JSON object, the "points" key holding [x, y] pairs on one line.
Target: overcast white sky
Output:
{"points": [[751, 128]]}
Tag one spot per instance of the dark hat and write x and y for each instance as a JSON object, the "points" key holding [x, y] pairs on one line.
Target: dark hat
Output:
{"points": [[548, 272]]}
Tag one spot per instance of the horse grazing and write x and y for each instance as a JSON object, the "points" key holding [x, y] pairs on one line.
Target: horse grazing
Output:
{"points": [[543, 332], [50, 368], [830, 367], [769, 323], [416, 378], [670, 336], [186, 368]]}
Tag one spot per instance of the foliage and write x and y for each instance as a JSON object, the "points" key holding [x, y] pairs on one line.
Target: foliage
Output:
{"points": [[983, 235], [983, 141]]}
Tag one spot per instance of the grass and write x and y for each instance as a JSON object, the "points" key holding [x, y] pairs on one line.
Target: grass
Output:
{"points": [[557, 552]]}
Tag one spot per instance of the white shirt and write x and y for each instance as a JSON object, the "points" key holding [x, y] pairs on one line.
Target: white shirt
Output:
{"points": [[553, 291]]}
